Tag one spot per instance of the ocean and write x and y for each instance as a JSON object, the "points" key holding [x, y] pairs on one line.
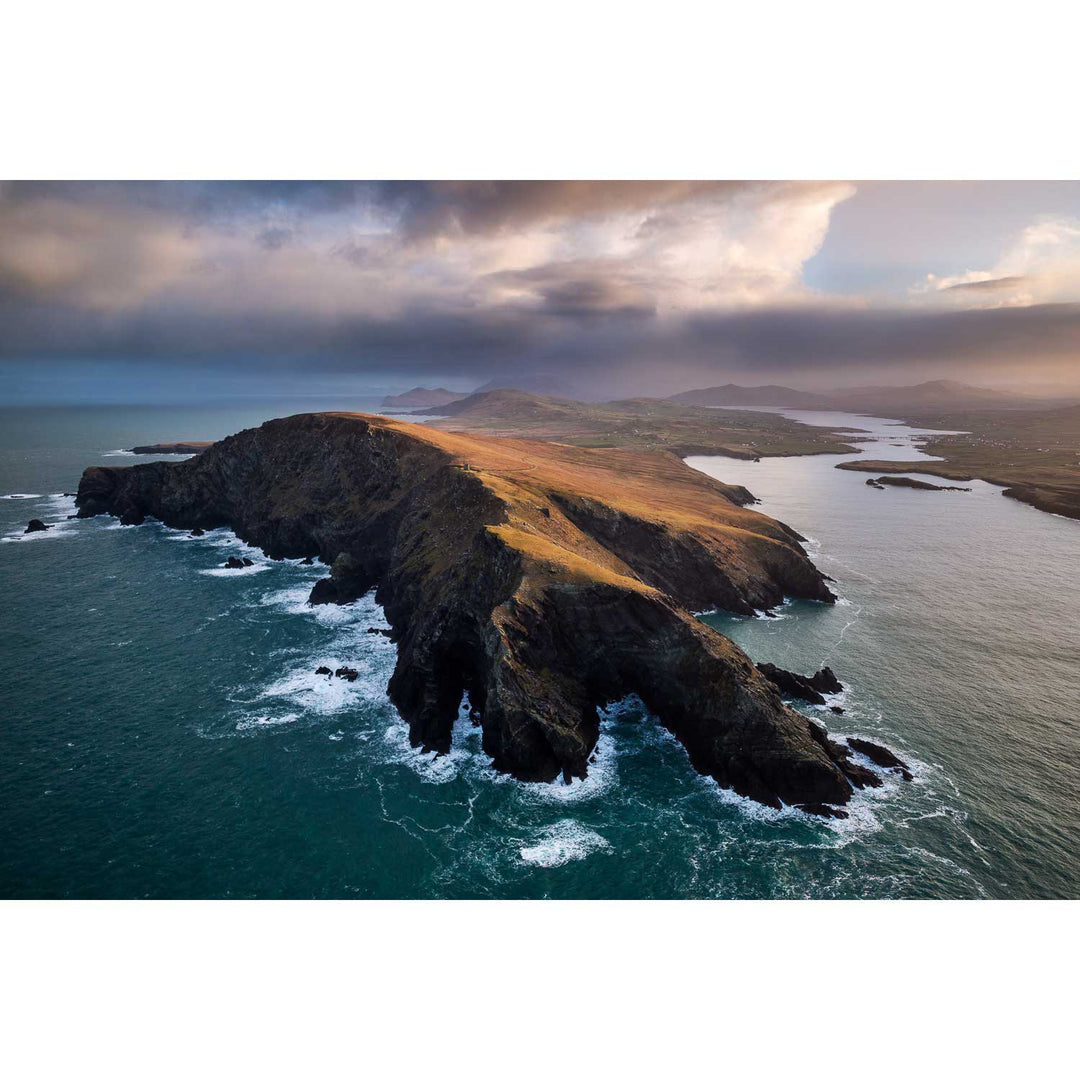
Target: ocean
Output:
{"points": [[163, 733]]}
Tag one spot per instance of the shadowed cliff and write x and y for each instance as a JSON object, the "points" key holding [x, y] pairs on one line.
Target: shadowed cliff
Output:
{"points": [[541, 579]]}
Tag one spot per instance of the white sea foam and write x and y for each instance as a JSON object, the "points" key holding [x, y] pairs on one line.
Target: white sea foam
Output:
{"points": [[267, 721], [429, 766], [20, 495], [240, 571], [363, 613], [565, 841], [56, 529], [59, 503], [603, 774], [119, 453], [324, 694]]}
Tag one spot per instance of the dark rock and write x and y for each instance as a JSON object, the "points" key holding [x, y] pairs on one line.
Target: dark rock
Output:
{"points": [[247, 562], [907, 482], [879, 755], [380, 630], [347, 673], [837, 709], [197, 532], [233, 563], [309, 561], [856, 774], [799, 686], [821, 809], [874, 484], [323, 670], [787, 682], [35, 525], [324, 591], [769, 614], [825, 681], [348, 581], [861, 777]]}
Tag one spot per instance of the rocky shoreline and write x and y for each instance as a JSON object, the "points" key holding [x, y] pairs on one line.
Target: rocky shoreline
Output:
{"points": [[542, 580]]}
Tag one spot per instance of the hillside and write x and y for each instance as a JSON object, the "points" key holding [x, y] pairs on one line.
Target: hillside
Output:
{"points": [[638, 423], [938, 395], [732, 394]]}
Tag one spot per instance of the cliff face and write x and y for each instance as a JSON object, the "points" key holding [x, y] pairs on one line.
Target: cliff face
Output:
{"points": [[542, 579]]}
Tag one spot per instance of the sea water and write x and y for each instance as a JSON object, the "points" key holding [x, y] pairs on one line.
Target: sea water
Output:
{"points": [[163, 732]]}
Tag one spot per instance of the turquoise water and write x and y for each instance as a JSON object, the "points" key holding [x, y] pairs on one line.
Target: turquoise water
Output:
{"points": [[164, 733]]}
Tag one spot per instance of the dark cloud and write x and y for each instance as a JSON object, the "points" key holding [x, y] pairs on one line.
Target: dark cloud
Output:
{"points": [[992, 285], [472, 207], [343, 277], [275, 237]]}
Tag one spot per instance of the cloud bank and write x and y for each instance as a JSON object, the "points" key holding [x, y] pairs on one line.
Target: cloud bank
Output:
{"points": [[651, 284]]}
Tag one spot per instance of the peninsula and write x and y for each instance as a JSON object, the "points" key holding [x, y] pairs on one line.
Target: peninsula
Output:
{"points": [[640, 424], [542, 580]]}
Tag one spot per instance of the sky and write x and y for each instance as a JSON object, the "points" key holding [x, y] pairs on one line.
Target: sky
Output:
{"points": [[612, 287]]}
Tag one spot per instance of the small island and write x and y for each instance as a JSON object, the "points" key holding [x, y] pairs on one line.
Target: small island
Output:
{"points": [[907, 482]]}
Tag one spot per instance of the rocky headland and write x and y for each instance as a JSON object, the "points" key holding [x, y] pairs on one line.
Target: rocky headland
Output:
{"points": [[543, 580], [172, 448]]}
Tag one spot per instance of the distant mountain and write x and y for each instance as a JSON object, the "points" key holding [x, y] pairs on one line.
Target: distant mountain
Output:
{"points": [[732, 394], [420, 397], [546, 385], [940, 395], [508, 405]]}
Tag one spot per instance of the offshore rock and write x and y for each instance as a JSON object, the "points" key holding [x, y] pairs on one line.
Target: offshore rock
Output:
{"points": [[541, 579], [801, 687], [825, 681], [35, 525], [879, 755]]}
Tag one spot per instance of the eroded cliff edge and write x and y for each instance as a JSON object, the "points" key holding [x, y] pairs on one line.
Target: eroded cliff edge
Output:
{"points": [[540, 578]]}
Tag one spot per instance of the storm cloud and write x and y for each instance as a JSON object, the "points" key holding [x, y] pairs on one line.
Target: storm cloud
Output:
{"points": [[649, 285]]}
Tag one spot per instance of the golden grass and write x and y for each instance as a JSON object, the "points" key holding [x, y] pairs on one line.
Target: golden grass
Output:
{"points": [[565, 564]]}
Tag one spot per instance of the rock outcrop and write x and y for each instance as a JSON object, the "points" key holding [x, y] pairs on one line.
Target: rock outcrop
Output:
{"points": [[799, 686], [881, 756], [36, 525], [543, 580], [908, 482], [172, 448]]}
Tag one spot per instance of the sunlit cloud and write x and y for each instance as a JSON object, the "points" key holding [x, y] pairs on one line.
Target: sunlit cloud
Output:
{"points": [[1041, 265]]}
